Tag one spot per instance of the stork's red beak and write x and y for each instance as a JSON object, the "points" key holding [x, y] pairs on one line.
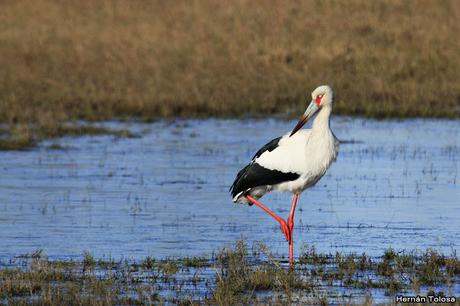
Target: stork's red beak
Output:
{"points": [[311, 110]]}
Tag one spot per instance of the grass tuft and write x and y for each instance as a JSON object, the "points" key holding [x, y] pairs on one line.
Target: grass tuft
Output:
{"points": [[233, 276]]}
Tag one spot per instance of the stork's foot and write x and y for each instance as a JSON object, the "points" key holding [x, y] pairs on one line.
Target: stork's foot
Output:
{"points": [[285, 229]]}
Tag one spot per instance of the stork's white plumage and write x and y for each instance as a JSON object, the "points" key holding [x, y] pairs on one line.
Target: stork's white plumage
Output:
{"points": [[292, 162]]}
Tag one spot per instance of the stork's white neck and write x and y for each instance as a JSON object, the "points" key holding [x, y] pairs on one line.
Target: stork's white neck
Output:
{"points": [[321, 122]]}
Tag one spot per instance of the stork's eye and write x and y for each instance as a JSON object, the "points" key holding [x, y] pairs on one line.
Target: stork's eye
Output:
{"points": [[318, 99]]}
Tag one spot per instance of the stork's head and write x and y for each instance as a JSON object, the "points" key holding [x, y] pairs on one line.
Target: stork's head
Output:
{"points": [[322, 96]]}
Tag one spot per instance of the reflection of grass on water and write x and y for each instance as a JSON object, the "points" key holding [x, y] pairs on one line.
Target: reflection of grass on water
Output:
{"points": [[93, 60], [235, 275]]}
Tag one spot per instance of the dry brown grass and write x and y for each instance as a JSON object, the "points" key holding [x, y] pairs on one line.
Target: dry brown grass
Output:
{"points": [[63, 60]]}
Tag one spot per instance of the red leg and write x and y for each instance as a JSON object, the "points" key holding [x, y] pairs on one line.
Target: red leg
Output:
{"points": [[286, 227], [283, 224], [290, 224]]}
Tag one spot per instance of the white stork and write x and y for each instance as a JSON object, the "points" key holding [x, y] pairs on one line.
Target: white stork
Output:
{"points": [[292, 162]]}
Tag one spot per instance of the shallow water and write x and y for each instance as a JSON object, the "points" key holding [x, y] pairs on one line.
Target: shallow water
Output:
{"points": [[395, 183]]}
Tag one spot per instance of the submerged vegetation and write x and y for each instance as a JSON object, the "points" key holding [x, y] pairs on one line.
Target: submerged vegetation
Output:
{"points": [[66, 61], [235, 274]]}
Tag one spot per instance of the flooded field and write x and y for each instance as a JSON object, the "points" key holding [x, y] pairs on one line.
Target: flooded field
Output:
{"points": [[165, 193], [235, 275]]}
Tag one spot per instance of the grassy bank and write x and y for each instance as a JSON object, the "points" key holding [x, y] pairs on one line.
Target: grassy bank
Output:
{"points": [[89, 60], [234, 275]]}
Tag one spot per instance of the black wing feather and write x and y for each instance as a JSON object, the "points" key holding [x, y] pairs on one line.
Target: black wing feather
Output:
{"points": [[272, 145], [254, 175]]}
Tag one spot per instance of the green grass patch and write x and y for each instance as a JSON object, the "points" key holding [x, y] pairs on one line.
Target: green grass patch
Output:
{"points": [[233, 276]]}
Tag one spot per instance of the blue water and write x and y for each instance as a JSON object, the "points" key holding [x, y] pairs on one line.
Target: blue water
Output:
{"points": [[165, 193]]}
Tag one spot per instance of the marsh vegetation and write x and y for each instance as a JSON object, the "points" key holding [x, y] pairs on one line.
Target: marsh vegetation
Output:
{"points": [[65, 61], [235, 274], [66, 67]]}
